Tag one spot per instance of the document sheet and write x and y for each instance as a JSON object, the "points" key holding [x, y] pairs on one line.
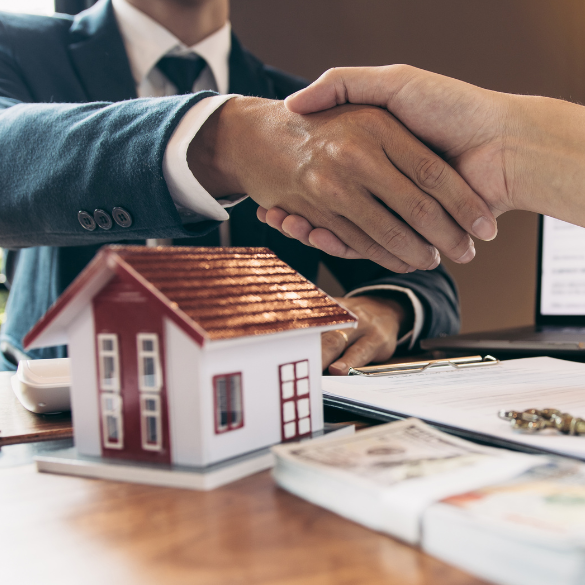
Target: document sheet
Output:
{"points": [[470, 399]]}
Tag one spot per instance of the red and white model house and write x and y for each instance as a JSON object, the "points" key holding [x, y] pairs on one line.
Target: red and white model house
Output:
{"points": [[190, 356]]}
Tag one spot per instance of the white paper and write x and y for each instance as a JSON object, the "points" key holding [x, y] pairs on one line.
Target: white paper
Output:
{"points": [[470, 399]]}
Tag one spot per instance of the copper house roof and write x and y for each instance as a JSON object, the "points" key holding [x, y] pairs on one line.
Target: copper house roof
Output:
{"points": [[222, 293]]}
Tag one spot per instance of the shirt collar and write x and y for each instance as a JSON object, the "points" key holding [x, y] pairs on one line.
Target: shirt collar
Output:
{"points": [[146, 41]]}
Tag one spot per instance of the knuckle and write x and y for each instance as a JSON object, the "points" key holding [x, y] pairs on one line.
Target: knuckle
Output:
{"points": [[332, 341], [395, 238], [375, 253], [461, 206], [458, 246], [431, 173], [423, 210], [348, 154]]}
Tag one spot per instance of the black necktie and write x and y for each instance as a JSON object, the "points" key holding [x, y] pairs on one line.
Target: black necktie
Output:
{"points": [[182, 71]]}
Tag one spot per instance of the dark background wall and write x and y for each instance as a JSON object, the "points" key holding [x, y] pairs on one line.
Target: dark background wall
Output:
{"points": [[520, 46]]}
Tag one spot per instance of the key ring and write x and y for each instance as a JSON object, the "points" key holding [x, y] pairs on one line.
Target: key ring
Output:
{"points": [[533, 420]]}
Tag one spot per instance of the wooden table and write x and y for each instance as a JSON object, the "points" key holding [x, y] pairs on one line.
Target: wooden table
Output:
{"points": [[18, 425], [57, 529], [66, 530]]}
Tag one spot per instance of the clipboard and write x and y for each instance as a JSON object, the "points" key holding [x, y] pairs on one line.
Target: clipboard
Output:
{"points": [[473, 361], [384, 410]]}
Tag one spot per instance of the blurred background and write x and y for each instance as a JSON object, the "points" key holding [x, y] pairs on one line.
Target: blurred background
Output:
{"points": [[519, 46]]}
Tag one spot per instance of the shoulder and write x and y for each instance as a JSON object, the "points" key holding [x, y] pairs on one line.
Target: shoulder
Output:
{"points": [[30, 29], [32, 23]]}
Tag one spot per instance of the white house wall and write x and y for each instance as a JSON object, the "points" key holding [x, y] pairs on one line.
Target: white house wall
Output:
{"points": [[183, 358], [84, 392], [257, 358]]}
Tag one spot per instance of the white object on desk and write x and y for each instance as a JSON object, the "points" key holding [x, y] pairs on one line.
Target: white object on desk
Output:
{"points": [[43, 386]]}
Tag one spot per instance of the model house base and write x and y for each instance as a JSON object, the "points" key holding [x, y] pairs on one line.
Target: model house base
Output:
{"points": [[70, 462]]}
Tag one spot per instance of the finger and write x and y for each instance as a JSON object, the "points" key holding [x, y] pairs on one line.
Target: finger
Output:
{"points": [[339, 86], [329, 243], [422, 212], [261, 214], [333, 344], [274, 218], [298, 227], [357, 239], [368, 348], [432, 175], [382, 237]]}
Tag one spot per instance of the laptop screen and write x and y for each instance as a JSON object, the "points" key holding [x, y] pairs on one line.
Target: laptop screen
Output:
{"points": [[562, 272]]}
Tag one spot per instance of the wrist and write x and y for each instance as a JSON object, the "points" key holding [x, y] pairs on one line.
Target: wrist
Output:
{"points": [[212, 154], [548, 156]]}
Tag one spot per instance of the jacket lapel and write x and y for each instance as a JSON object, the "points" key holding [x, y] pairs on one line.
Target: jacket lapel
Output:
{"points": [[98, 55]]}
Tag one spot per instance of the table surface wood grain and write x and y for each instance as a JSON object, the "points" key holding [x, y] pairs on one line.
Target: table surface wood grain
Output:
{"points": [[18, 425], [58, 529]]}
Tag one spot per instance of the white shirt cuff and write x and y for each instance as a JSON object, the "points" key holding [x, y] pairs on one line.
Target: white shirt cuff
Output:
{"points": [[419, 310], [190, 198]]}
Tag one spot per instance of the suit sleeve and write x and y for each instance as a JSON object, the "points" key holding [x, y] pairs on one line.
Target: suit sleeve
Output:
{"points": [[435, 289], [59, 159]]}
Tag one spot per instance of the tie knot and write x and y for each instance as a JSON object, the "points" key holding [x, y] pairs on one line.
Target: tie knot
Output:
{"points": [[182, 71]]}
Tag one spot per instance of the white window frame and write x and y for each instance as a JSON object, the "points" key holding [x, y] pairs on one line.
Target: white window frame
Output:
{"points": [[115, 412], [289, 400], [113, 353], [144, 414], [155, 354]]}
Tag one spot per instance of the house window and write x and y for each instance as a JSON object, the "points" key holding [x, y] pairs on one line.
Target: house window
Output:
{"points": [[150, 417], [295, 399], [149, 370], [109, 361], [113, 435], [229, 413]]}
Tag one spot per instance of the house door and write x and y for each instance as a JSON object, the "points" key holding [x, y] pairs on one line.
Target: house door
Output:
{"points": [[295, 400]]}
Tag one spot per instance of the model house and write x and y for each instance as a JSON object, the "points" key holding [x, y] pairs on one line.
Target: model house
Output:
{"points": [[190, 356]]}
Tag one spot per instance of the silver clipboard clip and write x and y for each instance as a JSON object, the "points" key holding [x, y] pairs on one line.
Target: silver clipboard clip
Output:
{"points": [[473, 361]]}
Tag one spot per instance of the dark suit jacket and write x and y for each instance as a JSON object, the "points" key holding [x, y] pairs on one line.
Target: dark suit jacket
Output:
{"points": [[73, 137]]}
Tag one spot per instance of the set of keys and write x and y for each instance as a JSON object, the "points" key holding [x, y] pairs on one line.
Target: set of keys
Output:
{"points": [[533, 420]]}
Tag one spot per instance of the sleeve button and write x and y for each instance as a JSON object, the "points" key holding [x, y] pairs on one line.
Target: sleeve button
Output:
{"points": [[102, 219], [87, 222], [122, 217]]}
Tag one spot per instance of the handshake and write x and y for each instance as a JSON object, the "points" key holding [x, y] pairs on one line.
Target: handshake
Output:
{"points": [[395, 164]]}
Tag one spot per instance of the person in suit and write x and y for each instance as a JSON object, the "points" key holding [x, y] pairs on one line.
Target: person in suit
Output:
{"points": [[94, 152]]}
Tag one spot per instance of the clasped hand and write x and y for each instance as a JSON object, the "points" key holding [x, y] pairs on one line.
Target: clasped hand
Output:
{"points": [[354, 171]]}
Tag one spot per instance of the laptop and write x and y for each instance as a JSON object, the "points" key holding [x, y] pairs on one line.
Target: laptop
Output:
{"points": [[560, 303]]}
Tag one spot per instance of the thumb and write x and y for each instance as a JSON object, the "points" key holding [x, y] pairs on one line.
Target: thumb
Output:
{"points": [[356, 85]]}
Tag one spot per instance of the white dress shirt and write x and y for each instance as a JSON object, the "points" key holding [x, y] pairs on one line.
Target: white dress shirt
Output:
{"points": [[146, 42]]}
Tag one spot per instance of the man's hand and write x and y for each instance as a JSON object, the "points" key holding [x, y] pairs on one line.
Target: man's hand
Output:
{"points": [[354, 171], [380, 322], [516, 152]]}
